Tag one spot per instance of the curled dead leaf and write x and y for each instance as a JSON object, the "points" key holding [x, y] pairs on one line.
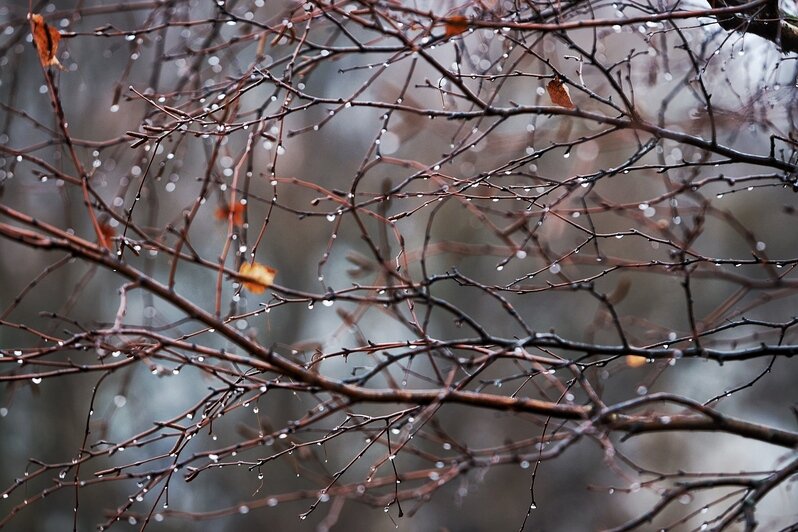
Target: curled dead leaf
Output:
{"points": [[46, 39], [559, 94], [258, 277]]}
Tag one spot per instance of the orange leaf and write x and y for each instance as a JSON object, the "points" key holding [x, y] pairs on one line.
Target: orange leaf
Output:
{"points": [[635, 361], [456, 25], [106, 235], [259, 277], [46, 38], [237, 210], [559, 94]]}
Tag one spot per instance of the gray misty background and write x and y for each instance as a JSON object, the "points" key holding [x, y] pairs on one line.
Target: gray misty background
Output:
{"points": [[751, 83]]}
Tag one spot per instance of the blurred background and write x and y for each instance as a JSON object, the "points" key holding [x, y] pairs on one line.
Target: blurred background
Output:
{"points": [[502, 201]]}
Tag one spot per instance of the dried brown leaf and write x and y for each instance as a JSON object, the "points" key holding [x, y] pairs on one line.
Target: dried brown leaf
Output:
{"points": [[46, 39], [559, 94], [456, 25]]}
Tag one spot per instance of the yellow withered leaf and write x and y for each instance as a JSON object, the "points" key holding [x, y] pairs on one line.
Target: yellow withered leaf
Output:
{"points": [[635, 361], [559, 94], [258, 277]]}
